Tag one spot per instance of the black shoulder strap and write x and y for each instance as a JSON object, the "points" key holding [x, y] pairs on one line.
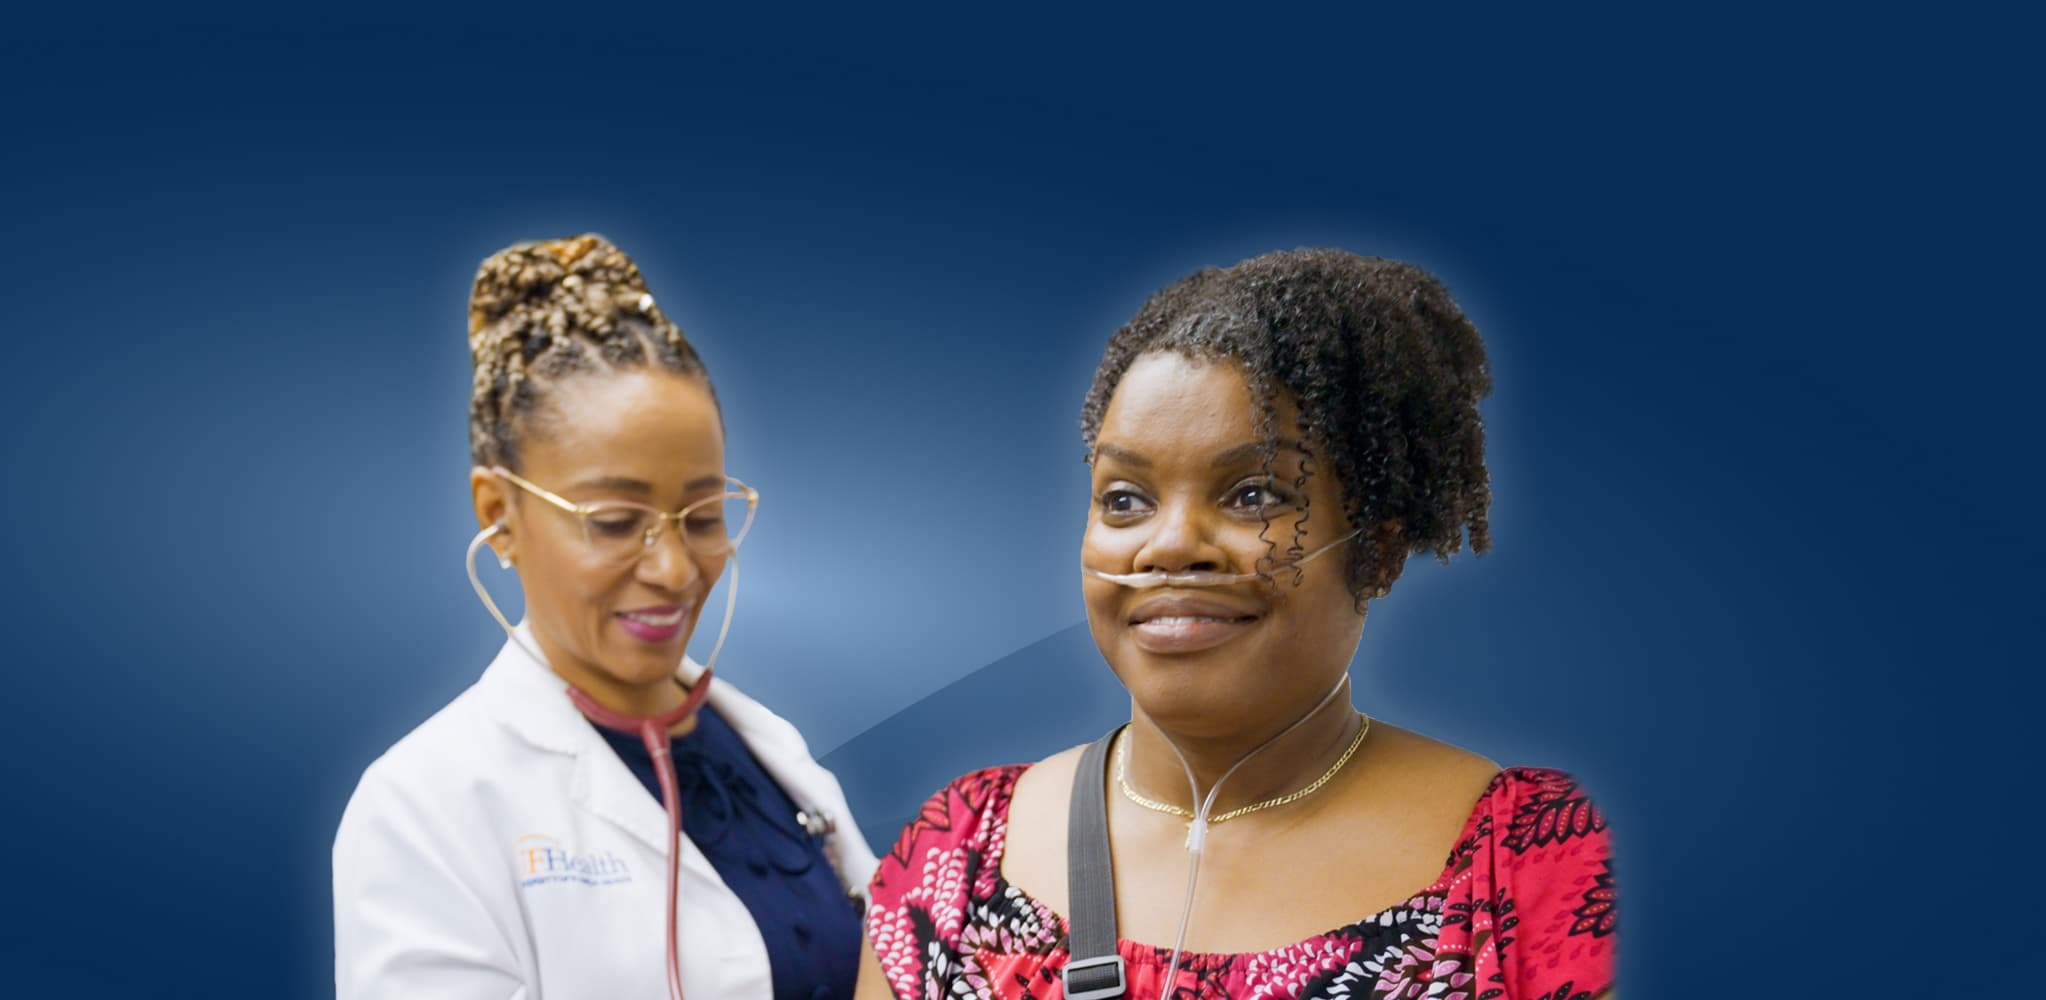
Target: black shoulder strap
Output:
{"points": [[1093, 969]]}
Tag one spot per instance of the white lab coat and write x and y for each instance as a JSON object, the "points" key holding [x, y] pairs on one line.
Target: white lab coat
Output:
{"points": [[503, 851]]}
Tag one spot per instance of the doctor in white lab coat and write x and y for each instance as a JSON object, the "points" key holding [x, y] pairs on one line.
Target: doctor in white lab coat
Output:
{"points": [[505, 849]]}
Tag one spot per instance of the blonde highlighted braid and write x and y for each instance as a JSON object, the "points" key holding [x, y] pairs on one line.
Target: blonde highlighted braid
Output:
{"points": [[542, 311]]}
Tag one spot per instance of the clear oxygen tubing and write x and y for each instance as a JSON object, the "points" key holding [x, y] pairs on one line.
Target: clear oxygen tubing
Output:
{"points": [[1195, 578], [1197, 828], [652, 731]]}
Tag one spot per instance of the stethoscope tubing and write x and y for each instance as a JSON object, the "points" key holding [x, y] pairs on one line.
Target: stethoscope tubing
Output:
{"points": [[651, 729]]}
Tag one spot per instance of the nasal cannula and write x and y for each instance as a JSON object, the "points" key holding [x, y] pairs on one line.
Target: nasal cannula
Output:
{"points": [[1197, 828], [1199, 578]]}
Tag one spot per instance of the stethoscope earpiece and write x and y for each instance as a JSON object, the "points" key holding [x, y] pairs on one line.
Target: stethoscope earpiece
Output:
{"points": [[503, 558], [469, 563]]}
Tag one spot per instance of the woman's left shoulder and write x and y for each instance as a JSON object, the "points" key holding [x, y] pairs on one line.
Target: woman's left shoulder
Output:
{"points": [[1535, 809], [1536, 866]]}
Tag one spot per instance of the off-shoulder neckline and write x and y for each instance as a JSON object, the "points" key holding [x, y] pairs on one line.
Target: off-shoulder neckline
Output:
{"points": [[1465, 843]]}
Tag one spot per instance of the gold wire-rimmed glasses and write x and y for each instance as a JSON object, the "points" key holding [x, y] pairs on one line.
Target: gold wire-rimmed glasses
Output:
{"points": [[620, 530]]}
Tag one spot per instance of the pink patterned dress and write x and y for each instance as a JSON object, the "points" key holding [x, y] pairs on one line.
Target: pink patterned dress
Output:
{"points": [[1522, 911]]}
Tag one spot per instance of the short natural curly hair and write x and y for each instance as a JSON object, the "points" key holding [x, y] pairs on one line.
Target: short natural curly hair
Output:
{"points": [[1386, 372], [542, 311]]}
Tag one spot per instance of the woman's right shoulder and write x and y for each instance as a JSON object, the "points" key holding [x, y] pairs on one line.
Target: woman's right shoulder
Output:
{"points": [[963, 814], [946, 858], [443, 757], [992, 800]]}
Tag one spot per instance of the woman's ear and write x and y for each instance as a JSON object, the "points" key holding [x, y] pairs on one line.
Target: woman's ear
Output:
{"points": [[493, 509]]}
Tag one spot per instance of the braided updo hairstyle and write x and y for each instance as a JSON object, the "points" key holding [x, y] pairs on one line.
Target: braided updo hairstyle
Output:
{"points": [[1387, 373], [542, 311]]}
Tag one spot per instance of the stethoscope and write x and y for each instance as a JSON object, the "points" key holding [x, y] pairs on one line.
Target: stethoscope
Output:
{"points": [[652, 731]]}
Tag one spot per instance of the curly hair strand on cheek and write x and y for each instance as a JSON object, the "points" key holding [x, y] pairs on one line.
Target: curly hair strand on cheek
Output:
{"points": [[1387, 373], [540, 312]]}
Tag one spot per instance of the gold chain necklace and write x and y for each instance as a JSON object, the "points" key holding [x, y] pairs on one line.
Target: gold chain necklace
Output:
{"points": [[1122, 777]]}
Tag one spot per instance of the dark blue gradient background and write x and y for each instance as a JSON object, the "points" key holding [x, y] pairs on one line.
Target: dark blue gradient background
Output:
{"points": [[1757, 286]]}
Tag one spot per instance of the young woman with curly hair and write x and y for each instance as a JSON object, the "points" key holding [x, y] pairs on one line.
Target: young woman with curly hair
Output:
{"points": [[1268, 444]]}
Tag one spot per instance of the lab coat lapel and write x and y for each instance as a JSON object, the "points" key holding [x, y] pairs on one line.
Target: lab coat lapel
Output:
{"points": [[608, 789], [530, 698], [533, 701]]}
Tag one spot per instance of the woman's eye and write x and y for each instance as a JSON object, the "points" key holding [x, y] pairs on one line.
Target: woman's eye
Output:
{"points": [[1123, 503], [620, 525], [1258, 497]]}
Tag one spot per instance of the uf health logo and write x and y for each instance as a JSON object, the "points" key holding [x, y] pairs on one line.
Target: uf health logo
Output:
{"points": [[538, 859]]}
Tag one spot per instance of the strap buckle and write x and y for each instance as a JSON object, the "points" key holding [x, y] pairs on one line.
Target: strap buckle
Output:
{"points": [[1101, 988]]}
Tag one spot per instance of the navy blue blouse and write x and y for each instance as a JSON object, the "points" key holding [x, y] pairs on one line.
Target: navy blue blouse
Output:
{"points": [[746, 826]]}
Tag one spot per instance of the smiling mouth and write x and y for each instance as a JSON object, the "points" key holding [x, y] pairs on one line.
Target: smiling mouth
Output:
{"points": [[656, 619], [1182, 633], [1172, 620]]}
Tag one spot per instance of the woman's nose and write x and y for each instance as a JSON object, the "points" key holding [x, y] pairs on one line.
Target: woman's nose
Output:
{"points": [[1181, 539], [669, 564]]}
